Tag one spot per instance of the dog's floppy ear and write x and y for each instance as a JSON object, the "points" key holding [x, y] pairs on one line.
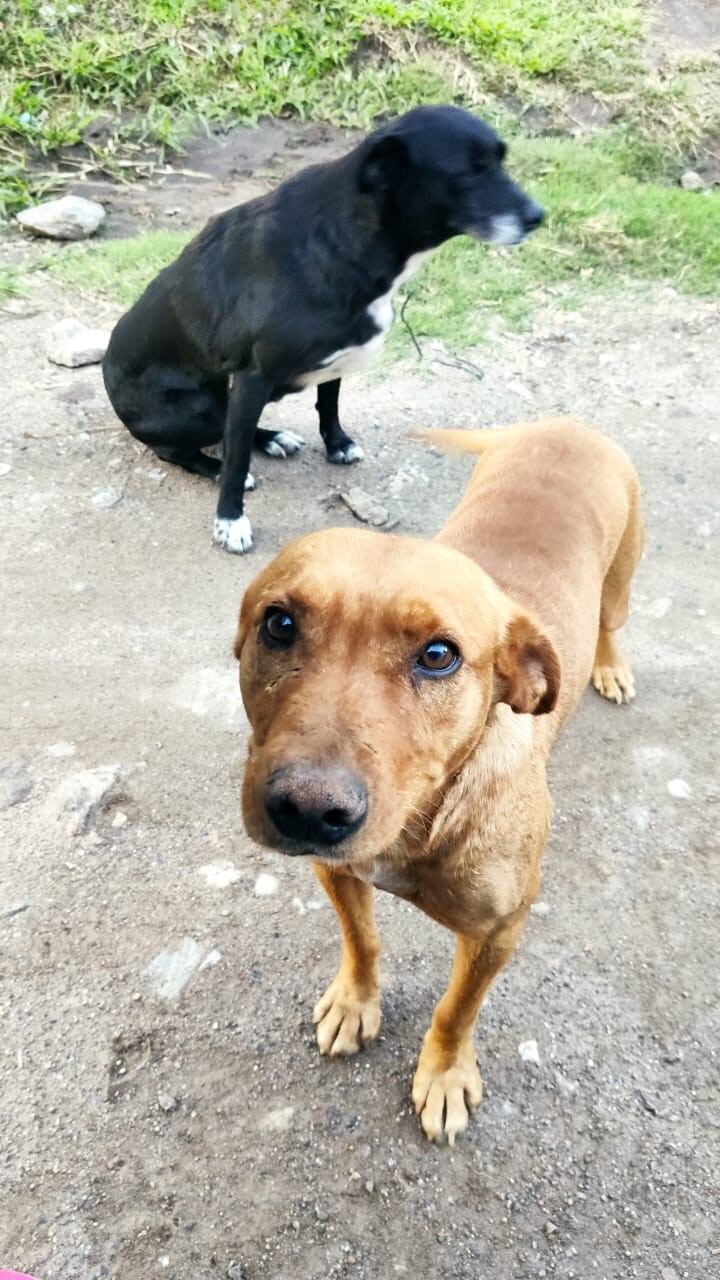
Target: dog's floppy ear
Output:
{"points": [[381, 165], [527, 668]]}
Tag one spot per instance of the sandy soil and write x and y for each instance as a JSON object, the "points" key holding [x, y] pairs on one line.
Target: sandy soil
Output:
{"points": [[195, 1133]]}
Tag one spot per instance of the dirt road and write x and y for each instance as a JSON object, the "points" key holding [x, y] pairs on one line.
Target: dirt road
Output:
{"points": [[170, 1116]]}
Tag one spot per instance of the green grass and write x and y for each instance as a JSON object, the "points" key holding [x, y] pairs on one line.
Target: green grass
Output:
{"points": [[151, 70], [11, 285], [604, 227], [117, 269]]}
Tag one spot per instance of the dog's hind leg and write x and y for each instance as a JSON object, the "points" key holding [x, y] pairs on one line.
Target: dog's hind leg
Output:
{"points": [[278, 444], [192, 460], [174, 413], [348, 1014], [611, 674], [340, 448]]}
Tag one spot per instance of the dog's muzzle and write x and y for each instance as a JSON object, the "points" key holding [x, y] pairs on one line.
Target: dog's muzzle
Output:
{"points": [[314, 806], [512, 228]]}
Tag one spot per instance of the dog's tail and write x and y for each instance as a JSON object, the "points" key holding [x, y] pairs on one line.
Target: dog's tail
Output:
{"points": [[482, 440]]}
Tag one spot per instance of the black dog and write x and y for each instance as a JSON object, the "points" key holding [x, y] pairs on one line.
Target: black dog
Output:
{"points": [[296, 288]]}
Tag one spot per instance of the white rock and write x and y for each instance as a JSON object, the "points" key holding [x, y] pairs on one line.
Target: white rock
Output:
{"points": [[103, 499], [365, 507], [5, 468], [70, 218], [60, 749], [658, 608], [120, 819], [170, 971], [7, 913], [640, 817], [540, 909], [81, 796], [15, 783], [567, 1087], [528, 1051], [691, 181], [277, 1120], [167, 1101], [266, 885], [220, 874], [679, 789], [72, 344]]}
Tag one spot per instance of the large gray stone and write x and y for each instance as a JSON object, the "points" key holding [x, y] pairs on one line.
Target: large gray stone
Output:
{"points": [[70, 218], [72, 343], [15, 783], [81, 796], [366, 508]]}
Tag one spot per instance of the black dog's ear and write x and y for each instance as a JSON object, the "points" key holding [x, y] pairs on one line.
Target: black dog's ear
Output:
{"points": [[382, 164]]}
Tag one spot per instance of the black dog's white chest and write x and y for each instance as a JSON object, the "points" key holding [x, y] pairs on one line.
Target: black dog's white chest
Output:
{"points": [[381, 314]]}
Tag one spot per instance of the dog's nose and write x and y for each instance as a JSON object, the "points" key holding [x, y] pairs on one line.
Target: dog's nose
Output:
{"points": [[321, 806], [533, 216]]}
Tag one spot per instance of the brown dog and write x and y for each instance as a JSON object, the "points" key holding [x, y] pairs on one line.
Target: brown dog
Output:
{"points": [[404, 696]]}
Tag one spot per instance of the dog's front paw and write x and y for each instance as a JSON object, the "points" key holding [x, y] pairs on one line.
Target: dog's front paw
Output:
{"points": [[233, 535], [250, 482], [283, 444], [346, 453], [346, 1019], [614, 682], [445, 1091]]}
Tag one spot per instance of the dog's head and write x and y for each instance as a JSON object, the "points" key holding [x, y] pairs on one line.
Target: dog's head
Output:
{"points": [[439, 173], [369, 667]]}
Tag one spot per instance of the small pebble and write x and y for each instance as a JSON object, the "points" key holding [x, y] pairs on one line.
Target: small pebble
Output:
{"points": [[60, 749], [266, 885], [528, 1051], [691, 181], [103, 499], [237, 1271], [679, 789]]}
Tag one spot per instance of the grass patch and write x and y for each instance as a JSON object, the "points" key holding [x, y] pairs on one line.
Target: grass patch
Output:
{"points": [[604, 227], [11, 285], [148, 71], [117, 270], [151, 70]]}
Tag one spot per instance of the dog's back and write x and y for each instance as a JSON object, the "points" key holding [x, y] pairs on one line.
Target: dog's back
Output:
{"points": [[549, 507]]}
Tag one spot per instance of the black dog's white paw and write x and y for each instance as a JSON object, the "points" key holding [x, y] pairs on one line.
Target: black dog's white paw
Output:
{"points": [[233, 535], [250, 482], [283, 444], [349, 452]]}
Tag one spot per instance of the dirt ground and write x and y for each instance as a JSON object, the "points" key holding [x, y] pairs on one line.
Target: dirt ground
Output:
{"points": [[192, 1131]]}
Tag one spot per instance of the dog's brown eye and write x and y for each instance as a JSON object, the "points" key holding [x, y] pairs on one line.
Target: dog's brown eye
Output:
{"points": [[278, 628], [439, 658]]}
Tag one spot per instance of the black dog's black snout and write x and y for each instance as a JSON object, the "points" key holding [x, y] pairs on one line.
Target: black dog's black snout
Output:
{"points": [[533, 215], [321, 806]]}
